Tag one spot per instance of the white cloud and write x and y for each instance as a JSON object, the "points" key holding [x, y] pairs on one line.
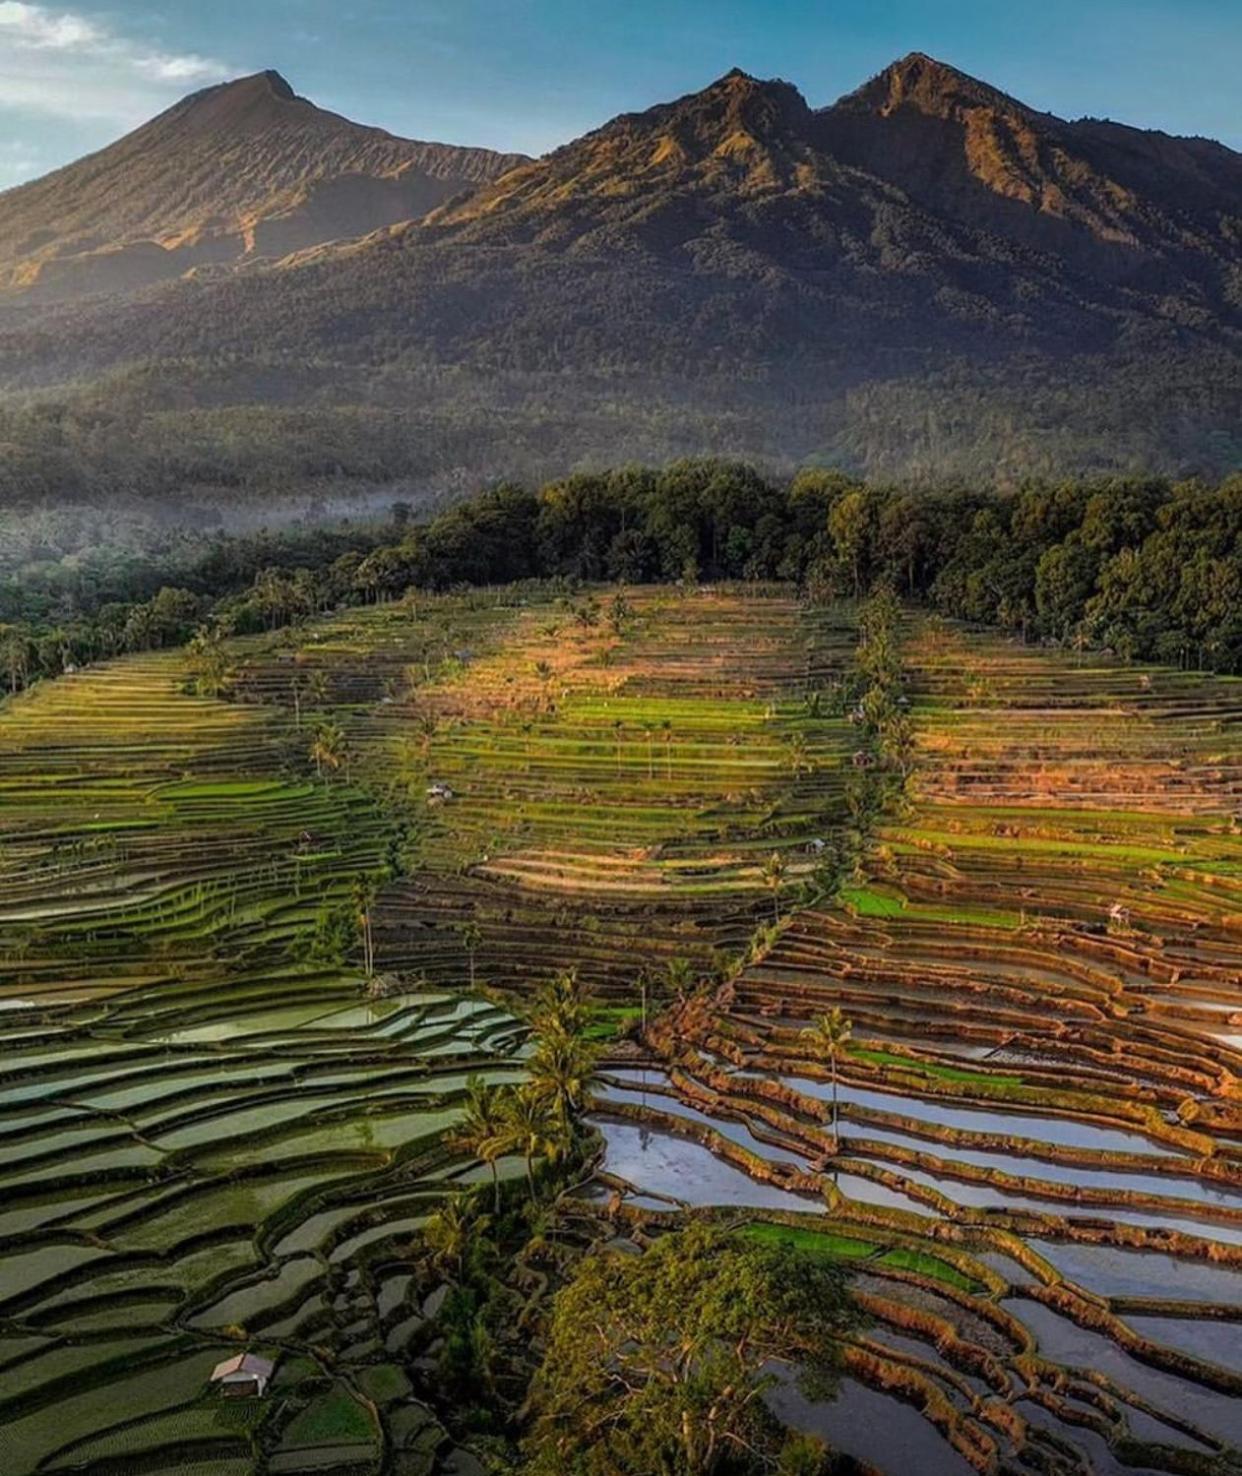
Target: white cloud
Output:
{"points": [[62, 64]]}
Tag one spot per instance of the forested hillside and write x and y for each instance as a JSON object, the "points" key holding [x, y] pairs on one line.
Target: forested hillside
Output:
{"points": [[925, 281], [1141, 568]]}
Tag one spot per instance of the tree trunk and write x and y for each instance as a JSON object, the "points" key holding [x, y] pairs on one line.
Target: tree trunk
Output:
{"points": [[836, 1136]]}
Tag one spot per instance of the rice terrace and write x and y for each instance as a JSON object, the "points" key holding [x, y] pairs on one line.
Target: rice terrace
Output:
{"points": [[274, 919]]}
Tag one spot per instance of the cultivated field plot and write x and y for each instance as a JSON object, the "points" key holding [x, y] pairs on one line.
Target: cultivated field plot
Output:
{"points": [[618, 775], [1040, 1162], [211, 1141], [207, 1142]]}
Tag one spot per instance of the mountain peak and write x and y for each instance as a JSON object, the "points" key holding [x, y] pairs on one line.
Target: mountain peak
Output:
{"points": [[277, 84], [243, 171], [737, 103], [929, 86]]}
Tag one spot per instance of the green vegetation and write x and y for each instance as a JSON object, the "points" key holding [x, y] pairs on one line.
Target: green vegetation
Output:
{"points": [[1142, 567], [658, 1362]]}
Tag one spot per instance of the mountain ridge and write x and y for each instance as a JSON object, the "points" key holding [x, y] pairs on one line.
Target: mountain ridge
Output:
{"points": [[234, 173], [912, 279]]}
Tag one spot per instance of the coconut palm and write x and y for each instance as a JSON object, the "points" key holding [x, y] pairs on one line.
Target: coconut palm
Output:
{"points": [[471, 938], [365, 891], [560, 1005], [680, 972], [533, 1129], [828, 1036], [481, 1132], [327, 750], [798, 754], [448, 1232], [649, 734], [773, 876], [560, 1070]]}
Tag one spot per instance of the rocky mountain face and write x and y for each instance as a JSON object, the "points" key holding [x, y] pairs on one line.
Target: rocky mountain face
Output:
{"points": [[925, 278], [1134, 207], [236, 174]]}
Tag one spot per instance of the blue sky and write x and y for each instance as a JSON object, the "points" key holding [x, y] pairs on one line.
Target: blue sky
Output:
{"points": [[528, 74]]}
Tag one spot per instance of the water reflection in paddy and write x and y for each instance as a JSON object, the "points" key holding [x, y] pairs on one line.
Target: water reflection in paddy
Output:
{"points": [[735, 1132], [871, 1427], [984, 1196], [1110, 1271], [1171, 1186], [1064, 1131], [663, 1164], [1065, 1342], [1218, 1342]]}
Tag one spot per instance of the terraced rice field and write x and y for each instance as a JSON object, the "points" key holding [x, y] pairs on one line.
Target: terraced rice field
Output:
{"points": [[617, 792], [1039, 1171], [210, 1141], [206, 1140]]}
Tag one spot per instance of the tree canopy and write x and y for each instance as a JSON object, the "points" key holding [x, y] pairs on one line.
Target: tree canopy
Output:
{"points": [[657, 1364]]}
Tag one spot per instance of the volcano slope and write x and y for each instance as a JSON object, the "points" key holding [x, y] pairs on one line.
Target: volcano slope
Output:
{"points": [[1039, 1164]]}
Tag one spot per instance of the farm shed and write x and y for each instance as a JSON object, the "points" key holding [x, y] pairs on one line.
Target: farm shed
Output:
{"points": [[245, 1376]]}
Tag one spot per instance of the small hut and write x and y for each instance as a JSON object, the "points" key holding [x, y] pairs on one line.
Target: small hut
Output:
{"points": [[243, 1377]]}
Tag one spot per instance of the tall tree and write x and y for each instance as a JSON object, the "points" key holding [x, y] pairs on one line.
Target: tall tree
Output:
{"points": [[658, 1364], [482, 1129], [828, 1036]]}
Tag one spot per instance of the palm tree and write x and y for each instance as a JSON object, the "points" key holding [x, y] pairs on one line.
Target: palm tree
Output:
{"points": [[773, 876], [560, 1004], [208, 660], [317, 688], [649, 734], [327, 748], [828, 1036], [798, 754], [617, 728], [471, 937], [448, 1232], [543, 671], [560, 1070], [666, 728], [481, 1131], [680, 977], [533, 1129], [365, 890]]}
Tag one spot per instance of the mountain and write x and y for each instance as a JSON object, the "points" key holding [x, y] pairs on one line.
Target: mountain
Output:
{"points": [[235, 174], [1131, 206], [924, 279]]}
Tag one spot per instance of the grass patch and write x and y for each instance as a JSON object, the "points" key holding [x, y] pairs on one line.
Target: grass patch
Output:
{"points": [[335, 1418], [928, 1068]]}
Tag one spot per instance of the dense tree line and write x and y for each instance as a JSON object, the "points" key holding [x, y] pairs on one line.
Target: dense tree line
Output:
{"points": [[1146, 568]]}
